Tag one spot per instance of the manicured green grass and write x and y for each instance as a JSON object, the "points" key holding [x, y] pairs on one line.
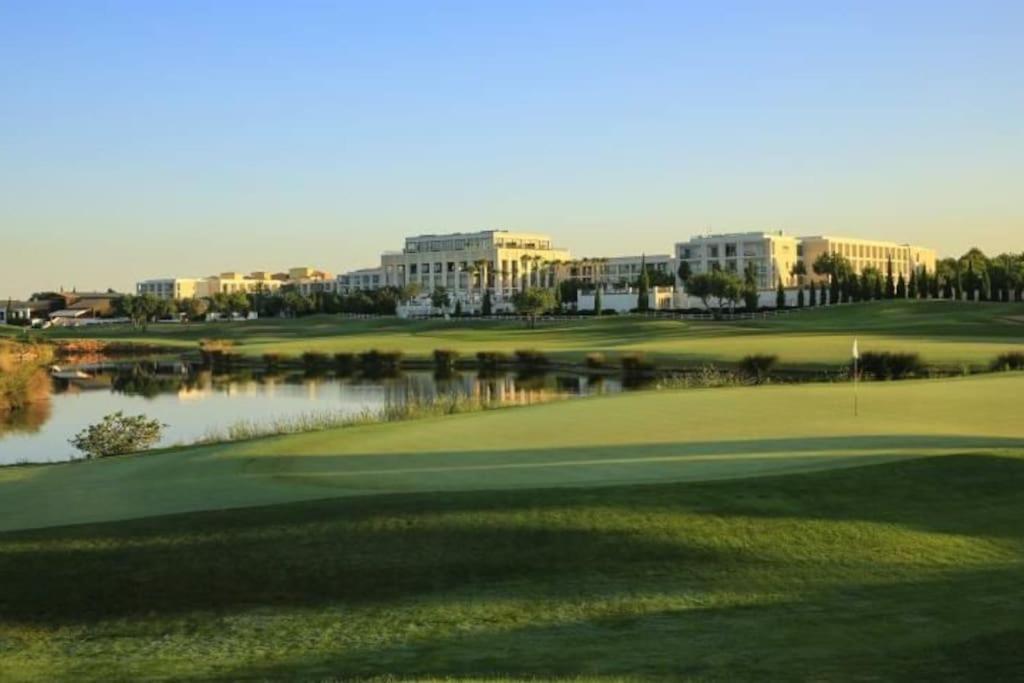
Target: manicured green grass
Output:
{"points": [[910, 570], [944, 333], [630, 438]]}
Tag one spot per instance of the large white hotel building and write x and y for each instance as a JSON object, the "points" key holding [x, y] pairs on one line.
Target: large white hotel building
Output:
{"points": [[505, 262]]}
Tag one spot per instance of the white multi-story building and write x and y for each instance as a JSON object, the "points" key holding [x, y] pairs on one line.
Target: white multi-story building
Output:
{"points": [[773, 254], [862, 254], [466, 264], [228, 282], [615, 271], [360, 280]]}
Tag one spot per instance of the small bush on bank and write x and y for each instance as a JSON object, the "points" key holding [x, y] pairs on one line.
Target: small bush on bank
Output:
{"points": [[376, 362], [117, 434], [757, 366], [490, 361], [271, 360], [635, 365], [314, 360], [345, 363], [595, 360], [883, 365], [531, 359], [1012, 360], [445, 359]]}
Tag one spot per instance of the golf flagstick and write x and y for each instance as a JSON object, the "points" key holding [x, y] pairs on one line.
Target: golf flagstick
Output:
{"points": [[856, 357]]}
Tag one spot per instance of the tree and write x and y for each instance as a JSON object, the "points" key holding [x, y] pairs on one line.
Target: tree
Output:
{"points": [[440, 299], [410, 291], [118, 434], [533, 302], [800, 302], [643, 302], [912, 285], [780, 295], [890, 284], [598, 303], [486, 305], [901, 288], [813, 299], [458, 308], [750, 276], [684, 272], [722, 285]]}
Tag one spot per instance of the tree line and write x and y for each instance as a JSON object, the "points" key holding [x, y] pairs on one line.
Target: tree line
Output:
{"points": [[973, 276]]}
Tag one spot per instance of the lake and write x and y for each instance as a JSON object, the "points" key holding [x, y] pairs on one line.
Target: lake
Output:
{"points": [[194, 402]]}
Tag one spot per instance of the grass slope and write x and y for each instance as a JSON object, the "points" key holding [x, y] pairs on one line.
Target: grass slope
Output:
{"points": [[910, 570], [944, 333], [625, 439]]}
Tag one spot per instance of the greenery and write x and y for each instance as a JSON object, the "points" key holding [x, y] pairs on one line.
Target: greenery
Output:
{"points": [[665, 535], [118, 434], [757, 366], [887, 365], [946, 334], [643, 303], [1012, 360], [721, 285], [533, 302]]}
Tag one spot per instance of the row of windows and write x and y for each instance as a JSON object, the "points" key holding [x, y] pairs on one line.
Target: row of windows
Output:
{"points": [[459, 244]]}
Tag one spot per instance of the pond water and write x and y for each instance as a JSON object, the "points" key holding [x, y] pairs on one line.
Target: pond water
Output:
{"points": [[195, 402]]}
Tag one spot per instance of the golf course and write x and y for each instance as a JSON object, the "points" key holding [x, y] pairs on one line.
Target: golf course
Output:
{"points": [[946, 334], [748, 532]]}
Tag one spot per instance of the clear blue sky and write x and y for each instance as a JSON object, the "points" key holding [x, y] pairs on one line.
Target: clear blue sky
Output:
{"points": [[154, 138]]}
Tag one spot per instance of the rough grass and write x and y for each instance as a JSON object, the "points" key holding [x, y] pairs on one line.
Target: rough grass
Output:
{"points": [[944, 333], [909, 571]]}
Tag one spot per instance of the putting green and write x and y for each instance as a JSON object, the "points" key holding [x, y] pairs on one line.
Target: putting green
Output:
{"points": [[630, 438]]}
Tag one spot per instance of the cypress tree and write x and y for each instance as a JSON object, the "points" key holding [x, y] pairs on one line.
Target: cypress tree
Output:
{"points": [[800, 303], [901, 288], [644, 288], [890, 284], [485, 307], [598, 303], [780, 296], [813, 299], [867, 292], [912, 285]]}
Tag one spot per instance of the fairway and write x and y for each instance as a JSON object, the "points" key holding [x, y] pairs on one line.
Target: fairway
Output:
{"points": [[947, 334], [644, 437]]}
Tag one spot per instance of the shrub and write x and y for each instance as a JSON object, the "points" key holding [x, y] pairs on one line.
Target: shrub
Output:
{"points": [[444, 359], [375, 362], [595, 360], [491, 360], [271, 360], [1012, 360], [885, 365], [345, 363], [757, 366], [117, 434], [634, 365], [314, 359], [531, 359]]}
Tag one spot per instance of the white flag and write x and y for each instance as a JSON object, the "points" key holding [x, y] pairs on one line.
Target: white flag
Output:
{"points": [[856, 352]]}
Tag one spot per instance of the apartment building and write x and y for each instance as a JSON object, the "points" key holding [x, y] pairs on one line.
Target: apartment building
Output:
{"points": [[360, 280], [228, 282], [173, 287], [862, 254], [615, 271], [467, 263], [773, 254]]}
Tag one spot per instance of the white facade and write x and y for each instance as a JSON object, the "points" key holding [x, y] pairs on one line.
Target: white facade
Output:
{"points": [[772, 253], [625, 300], [615, 271], [861, 254], [467, 264]]}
